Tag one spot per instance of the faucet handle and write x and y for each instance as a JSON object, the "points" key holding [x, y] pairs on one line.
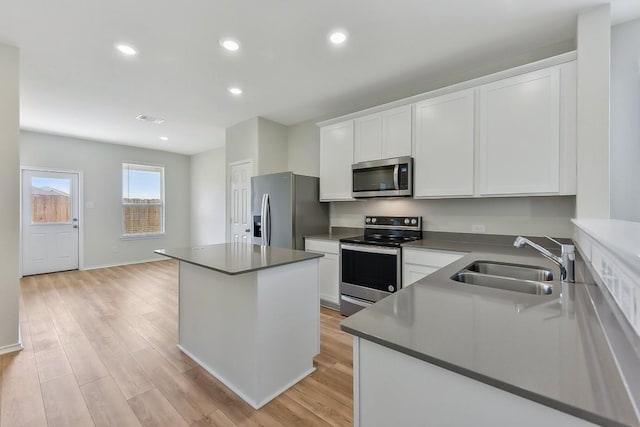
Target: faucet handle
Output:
{"points": [[553, 240], [565, 248]]}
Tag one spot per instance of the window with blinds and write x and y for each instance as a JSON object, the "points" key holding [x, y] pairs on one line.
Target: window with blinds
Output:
{"points": [[142, 200]]}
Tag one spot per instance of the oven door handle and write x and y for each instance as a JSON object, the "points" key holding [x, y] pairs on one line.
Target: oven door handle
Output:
{"points": [[355, 301], [370, 249]]}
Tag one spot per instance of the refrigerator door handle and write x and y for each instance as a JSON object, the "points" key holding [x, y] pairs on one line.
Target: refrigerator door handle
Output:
{"points": [[268, 219], [263, 219]]}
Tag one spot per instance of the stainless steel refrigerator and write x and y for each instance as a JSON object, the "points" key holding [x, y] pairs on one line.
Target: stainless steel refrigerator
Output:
{"points": [[285, 207]]}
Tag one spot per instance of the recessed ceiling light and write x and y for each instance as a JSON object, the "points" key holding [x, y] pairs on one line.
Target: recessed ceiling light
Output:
{"points": [[235, 90], [338, 37], [125, 49], [230, 44], [164, 138]]}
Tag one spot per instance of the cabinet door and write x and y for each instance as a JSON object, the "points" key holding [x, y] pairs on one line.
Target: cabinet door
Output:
{"points": [[396, 132], [336, 157], [443, 148], [519, 143], [368, 138], [329, 279]]}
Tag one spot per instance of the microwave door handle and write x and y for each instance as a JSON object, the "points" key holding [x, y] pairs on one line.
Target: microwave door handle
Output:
{"points": [[396, 177]]}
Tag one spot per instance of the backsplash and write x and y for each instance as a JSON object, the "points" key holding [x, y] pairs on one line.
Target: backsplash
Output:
{"points": [[530, 216], [611, 246]]}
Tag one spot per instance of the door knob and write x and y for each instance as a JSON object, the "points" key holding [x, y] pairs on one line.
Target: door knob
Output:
{"points": [[75, 226], [248, 230]]}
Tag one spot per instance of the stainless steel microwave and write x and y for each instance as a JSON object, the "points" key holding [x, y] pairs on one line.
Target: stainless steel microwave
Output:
{"points": [[383, 178]]}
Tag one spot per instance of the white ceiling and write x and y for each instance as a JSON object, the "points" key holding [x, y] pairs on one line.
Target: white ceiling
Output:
{"points": [[73, 82]]}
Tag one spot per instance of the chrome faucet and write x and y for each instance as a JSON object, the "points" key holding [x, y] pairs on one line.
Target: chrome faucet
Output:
{"points": [[566, 260]]}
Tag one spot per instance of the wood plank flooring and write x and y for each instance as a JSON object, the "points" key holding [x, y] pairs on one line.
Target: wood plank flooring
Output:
{"points": [[100, 349]]}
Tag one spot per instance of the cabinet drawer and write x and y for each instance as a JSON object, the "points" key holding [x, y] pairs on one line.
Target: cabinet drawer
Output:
{"points": [[429, 257], [325, 246]]}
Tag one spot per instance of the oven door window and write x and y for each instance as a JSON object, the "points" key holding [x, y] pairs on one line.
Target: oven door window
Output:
{"points": [[376, 271], [374, 179]]}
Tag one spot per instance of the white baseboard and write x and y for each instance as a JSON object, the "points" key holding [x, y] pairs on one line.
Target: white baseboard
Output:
{"points": [[223, 380], [95, 267], [11, 348]]}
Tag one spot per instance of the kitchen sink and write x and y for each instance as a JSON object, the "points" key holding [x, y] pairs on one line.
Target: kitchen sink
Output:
{"points": [[505, 283], [513, 271], [527, 279]]}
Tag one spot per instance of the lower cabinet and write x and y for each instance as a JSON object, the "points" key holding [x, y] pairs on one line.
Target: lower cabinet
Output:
{"points": [[329, 270], [419, 263], [394, 389]]}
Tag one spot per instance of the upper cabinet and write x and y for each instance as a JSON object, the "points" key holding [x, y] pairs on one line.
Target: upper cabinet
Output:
{"points": [[519, 141], [383, 135], [336, 158], [443, 146], [506, 134]]}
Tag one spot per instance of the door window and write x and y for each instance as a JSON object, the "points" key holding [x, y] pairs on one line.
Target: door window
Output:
{"points": [[50, 200]]}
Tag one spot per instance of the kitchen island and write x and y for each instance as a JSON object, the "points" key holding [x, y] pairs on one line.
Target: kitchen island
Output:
{"points": [[249, 315]]}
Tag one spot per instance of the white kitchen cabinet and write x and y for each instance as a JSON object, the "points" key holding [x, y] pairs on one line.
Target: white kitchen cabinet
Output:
{"points": [[329, 273], [383, 135], [394, 389], [367, 138], [419, 263], [519, 138], [444, 145], [336, 158]]}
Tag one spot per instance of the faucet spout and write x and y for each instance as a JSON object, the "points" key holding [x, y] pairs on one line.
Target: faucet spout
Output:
{"points": [[566, 260]]}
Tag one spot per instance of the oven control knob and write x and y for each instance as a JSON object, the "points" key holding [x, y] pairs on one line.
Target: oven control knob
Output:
{"points": [[406, 221], [391, 288], [414, 221], [373, 220], [367, 220]]}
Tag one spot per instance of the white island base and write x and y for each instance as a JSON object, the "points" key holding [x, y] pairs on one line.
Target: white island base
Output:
{"points": [[257, 332]]}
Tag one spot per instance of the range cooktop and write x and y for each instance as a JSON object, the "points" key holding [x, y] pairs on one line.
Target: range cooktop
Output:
{"points": [[388, 231]]}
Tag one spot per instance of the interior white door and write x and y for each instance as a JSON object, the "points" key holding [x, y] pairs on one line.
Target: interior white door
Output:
{"points": [[241, 201], [50, 226]]}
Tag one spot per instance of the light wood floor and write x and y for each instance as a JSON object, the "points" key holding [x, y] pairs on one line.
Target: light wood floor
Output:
{"points": [[100, 349]]}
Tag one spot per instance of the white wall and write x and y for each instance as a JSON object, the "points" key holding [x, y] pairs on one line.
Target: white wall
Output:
{"points": [[102, 166], [241, 143], [303, 140], [272, 147], [9, 191], [594, 29], [625, 121], [208, 211], [531, 216]]}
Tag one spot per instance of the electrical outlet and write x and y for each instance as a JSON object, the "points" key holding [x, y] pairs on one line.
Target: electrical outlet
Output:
{"points": [[478, 228]]}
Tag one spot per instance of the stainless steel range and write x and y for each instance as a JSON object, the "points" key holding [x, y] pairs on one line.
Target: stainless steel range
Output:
{"points": [[371, 265]]}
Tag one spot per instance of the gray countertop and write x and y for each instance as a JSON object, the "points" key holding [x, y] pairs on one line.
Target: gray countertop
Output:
{"points": [[550, 349], [337, 233], [237, 258]]}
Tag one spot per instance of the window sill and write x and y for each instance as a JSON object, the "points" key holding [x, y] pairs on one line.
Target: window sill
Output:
{"points": [[142, 236]]}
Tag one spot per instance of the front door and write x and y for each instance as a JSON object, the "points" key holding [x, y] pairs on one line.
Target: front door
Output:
{"points": [[240, 212], [49, 221]]}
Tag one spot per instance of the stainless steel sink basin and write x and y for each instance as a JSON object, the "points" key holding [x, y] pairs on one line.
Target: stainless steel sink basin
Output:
{"points": [[513, 271], [505, 283], [527, 279]]}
